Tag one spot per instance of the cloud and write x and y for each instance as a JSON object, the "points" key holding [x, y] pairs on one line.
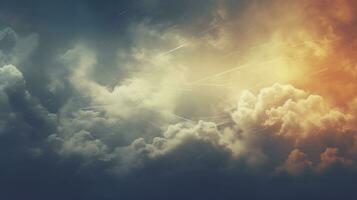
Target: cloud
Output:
{"points": [[150, 89], [137, 106], [288, 119], [80, 143], [280, 129], [15, 49], [10, 76], [23, 120], [296, 163], [330, 158]]}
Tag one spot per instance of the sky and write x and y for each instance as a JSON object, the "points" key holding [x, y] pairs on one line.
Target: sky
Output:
{"points": [[178, 99]]}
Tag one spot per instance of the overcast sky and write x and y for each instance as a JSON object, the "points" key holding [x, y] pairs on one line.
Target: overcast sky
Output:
{"points": [[178, 99]]}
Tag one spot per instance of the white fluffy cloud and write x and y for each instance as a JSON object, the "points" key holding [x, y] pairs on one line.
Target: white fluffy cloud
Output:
{"points": [[9, 76], [281, 127], [299, 125]]}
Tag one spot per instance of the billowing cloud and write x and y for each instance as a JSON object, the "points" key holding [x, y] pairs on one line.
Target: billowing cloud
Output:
{"points": [[22, 117], [296, 163], [279, 129]]}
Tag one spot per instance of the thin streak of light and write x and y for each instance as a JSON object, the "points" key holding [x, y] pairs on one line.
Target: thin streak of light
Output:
{"points": [[172, 88], [184, 44], [228, 71], [212, 85], [216, 75], [231, 53], [223, 123], [172, 27], [258, 45], [213, 117], [180, 117], [303, 42], [95, 107], [281, 44], [173, 50], [153, 124], [208, 29], [319, 71], [178, 90], [289, 44]]}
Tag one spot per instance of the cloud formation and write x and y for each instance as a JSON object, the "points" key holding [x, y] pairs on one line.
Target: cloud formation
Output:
{"points": [[23, 119], [280, 129], [15, 49]]}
